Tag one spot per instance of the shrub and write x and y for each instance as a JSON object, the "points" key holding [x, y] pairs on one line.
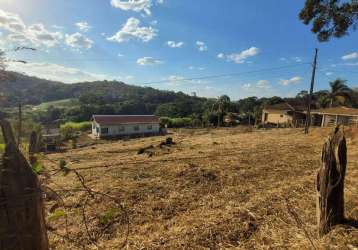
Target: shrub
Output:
{"points": [[2, 148], [181, 122], [176, 122], [166, 121], [70, 130]]}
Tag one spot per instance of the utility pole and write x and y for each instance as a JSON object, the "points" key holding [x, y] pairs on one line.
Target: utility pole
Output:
{"points": [[308, 116]]}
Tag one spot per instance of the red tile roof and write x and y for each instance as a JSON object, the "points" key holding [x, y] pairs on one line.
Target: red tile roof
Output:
{"points": [[125, 119], [286, 106], [337, 111]]}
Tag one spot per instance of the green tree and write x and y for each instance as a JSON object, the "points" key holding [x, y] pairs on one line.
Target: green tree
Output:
{"points": [[340, 93], [303, 94], [221, 106], [323, 101], [329, 18]]}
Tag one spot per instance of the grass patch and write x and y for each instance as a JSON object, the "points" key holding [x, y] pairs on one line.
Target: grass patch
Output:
{"points": [[60, 103]]}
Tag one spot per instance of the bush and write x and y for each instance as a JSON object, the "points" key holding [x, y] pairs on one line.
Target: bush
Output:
{"points": [[70, 130], [181, 122], [2, 148], [165, 121], [176, 122]]}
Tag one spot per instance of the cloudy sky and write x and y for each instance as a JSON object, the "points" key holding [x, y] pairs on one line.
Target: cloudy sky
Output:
{"points": [[239, 48]]}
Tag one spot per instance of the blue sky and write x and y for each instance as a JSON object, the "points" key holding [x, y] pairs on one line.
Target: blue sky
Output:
{"points": [[162, 43]]}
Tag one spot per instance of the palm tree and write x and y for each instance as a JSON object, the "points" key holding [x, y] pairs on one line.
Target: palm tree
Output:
{"points": [[222, 104], [340, 92], [323, 101]]}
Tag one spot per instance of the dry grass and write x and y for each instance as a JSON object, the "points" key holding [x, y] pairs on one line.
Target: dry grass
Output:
{"points": [[214, 189]]}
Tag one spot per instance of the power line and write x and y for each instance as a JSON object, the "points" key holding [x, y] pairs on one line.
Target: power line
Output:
{"points": [[223, 75]]}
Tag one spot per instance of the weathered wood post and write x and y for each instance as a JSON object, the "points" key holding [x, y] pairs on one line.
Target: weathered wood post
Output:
{"points": [[22, 223], [33, 147], [330, 182]]}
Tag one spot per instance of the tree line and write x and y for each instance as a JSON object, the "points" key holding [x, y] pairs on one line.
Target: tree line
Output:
{"points": [[183, 110]]}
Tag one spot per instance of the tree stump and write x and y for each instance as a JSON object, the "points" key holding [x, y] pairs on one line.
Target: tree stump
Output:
{"points": [[330, 182], [22, 223]]}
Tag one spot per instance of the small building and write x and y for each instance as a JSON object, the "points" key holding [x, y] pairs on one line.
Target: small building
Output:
{"points": [[334, 116], [104, 126], [288, 114], [50, 138]]}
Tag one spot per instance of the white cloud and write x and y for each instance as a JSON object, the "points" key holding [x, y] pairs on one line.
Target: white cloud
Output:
{"points": [[83, 26], [11, 22], [17, 38], [57, 72], [256, 87], [201, 46], [78, 41], [120, 55], [352, 64], [33, 35], [329, 73], [246, 86], [175, 80], [132, 30], [242, 56], [293, 80], [196, 68], [40, 35], [221, 56], [297, 59], [263, 84], [133, 5], [350, 56], [148, 61], [58, 27], [173, 44]]}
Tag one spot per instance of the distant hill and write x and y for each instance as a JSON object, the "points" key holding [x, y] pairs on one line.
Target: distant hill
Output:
{"points": [[35, 91]]}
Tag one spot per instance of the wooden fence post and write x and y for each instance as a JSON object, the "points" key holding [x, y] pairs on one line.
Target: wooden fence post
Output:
{"points": [[33, 147], [22, 223], [330, 182]]}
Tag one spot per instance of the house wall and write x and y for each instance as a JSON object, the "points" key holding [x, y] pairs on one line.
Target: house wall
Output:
{"points": [[125, 129], [276, 117]]}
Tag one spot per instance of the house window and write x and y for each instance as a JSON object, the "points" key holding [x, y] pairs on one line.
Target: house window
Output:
{"points": [[121, 129], [149, 127], [97, 130], [136, 128], [266, 117], [104, 130]]}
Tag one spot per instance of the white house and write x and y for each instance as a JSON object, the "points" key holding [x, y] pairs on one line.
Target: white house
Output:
{"points": [[124, 125]]}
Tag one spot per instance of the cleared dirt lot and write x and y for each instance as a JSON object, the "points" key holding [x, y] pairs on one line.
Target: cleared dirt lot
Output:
{"points": [[215, 188]]}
